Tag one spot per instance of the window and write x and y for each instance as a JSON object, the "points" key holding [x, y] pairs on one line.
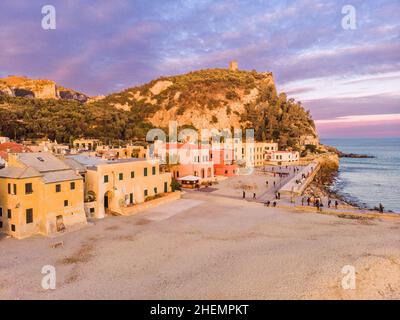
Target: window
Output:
{"points": [[105, 178], [28, 188], [153, 171], [58, 187], [13, 190], [155, 190], [1, 224], [1, 212], [165, 186], [131, 198], [121, 176], [146, 192], [72, 185], [13, 227], [132, 174], [65, 203], [91, 210], [9, 214], [29, 215], [145, 172]]}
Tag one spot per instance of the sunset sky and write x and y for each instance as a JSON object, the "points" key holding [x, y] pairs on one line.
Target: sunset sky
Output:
{"points": [[349, 79]]}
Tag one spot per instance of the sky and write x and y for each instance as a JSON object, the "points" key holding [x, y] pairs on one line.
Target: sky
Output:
{"points": [[348, 78]]}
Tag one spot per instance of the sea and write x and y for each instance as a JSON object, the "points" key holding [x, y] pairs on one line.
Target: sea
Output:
{"points": [[369, 181]]}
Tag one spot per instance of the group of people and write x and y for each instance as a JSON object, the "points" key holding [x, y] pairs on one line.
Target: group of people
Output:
{"points": [[268, 203], [244, 195], [317, 202]]}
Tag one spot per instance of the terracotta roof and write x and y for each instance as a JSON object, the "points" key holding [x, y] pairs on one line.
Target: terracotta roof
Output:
{"points": [[12, 147]]}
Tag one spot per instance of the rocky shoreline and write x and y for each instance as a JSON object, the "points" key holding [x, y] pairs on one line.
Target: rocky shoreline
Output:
{"points": [[324, 182], [348, 155], [354, 155]]}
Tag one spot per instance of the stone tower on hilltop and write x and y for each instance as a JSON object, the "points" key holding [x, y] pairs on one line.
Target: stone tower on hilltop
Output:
{"points": [[233, 65]]}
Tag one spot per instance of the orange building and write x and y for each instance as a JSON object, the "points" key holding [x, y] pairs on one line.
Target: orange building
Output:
{"points": [[223, 162]]}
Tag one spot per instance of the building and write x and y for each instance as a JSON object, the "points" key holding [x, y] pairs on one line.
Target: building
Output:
{"points": [[39, 194], [12, 147], [223, 161], [86, 144], [284, 157], [186, 159], [129, 151], [4, 139], [252, 154], [112, 186], [233, 65], [49, 146]]}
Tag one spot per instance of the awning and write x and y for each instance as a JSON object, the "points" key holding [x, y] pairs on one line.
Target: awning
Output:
{"points": [[189, 178]]}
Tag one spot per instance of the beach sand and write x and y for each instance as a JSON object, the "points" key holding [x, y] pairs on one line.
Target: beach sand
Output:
{"points": [[209, 247]]}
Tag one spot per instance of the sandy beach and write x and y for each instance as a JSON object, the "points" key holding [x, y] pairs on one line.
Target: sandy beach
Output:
{"points": [[209, 247]]}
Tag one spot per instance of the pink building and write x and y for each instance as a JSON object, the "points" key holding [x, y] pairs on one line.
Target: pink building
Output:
{"points": [[186, 159]]}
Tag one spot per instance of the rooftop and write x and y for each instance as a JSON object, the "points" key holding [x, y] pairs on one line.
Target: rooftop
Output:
{"points": [[40, 164], [90, 161], [19, 173], [42, 161]]}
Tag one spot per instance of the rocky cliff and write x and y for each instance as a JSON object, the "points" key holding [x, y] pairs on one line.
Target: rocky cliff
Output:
{"points": [[19, 86]]}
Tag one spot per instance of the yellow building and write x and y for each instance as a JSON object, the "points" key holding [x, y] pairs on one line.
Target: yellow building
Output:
{"points": [[252, 154], [86, 144], [112, 186], [129, 151], [39, 194]]}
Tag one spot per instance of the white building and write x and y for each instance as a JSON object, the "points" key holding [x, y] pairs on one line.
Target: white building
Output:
{"points": [[284, 156], [4, 139]]}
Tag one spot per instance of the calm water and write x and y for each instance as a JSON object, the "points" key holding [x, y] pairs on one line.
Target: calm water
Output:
{"points": [[370, 181]]}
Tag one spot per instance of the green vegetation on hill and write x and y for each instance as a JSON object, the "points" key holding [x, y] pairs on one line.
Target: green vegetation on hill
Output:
{"points": [[223, 98], [63, 120]]}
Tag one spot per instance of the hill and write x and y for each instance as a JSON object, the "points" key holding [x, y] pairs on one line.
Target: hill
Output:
{"points": [[220, 98], [212, 98]]}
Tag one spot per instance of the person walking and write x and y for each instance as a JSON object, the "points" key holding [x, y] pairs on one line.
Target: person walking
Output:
{"points": [[336, 204], [329, 203], [279, 195], [302, 201], [254, 196], [308, 201], [381, 207], [244, 194]]}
